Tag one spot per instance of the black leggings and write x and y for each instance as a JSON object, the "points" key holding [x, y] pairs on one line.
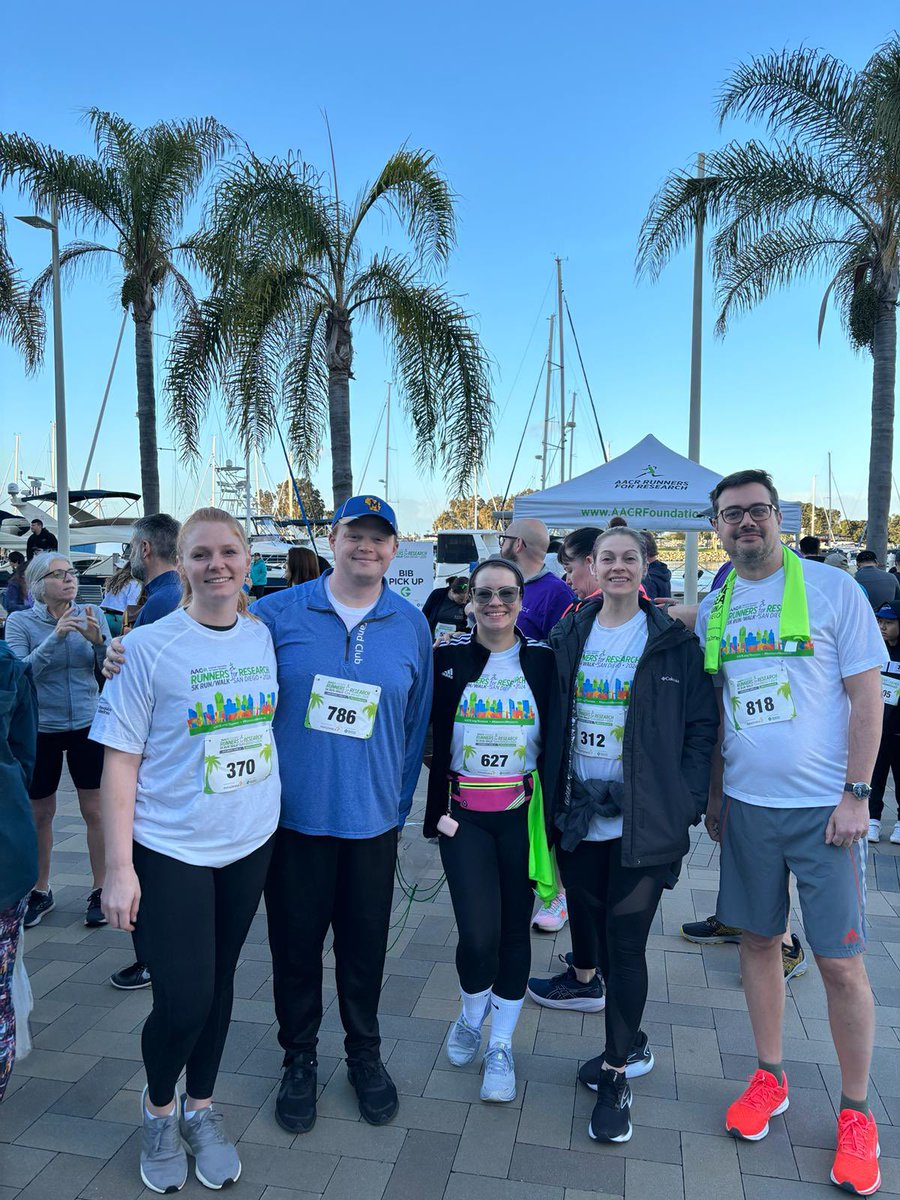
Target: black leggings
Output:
{"points": [[192, 923], [888, 760], [486, 863], [611, 909]]}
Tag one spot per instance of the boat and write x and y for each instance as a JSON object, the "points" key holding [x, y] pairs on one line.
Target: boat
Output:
{"points": [[96, 536]]}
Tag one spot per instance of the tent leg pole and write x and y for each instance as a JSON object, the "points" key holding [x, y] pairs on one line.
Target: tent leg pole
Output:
{"points": [[691, 563]]}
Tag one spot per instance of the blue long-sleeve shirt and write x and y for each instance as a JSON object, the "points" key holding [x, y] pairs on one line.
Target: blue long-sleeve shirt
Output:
{"points": [[333, 785]]}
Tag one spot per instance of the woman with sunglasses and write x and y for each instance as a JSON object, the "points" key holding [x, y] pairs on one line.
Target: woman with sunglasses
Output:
{"points": [[628, 761], [492, 691], [64, 643]]}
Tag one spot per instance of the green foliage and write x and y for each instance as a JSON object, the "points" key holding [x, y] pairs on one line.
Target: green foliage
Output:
{"points": [[21, 320], [863, 316], [460, 512], [289, 279]]}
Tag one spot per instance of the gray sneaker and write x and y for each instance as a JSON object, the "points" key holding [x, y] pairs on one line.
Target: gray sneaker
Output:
{"points": [[164, 1164], [464, 1041], [499, 1083], [216, 1161]]}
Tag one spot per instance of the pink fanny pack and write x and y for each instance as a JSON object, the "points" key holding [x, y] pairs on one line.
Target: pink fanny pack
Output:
{"points": [[496, 793]]}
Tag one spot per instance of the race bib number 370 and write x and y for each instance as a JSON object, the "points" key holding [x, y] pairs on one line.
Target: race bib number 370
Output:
{"points": [[234, 759], [343, 706]]}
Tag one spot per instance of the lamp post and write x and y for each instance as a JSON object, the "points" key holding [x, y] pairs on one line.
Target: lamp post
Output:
{"points": [[62, 458]]}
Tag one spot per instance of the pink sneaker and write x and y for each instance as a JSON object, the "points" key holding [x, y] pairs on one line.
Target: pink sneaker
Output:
{"points": [[552, 917]]}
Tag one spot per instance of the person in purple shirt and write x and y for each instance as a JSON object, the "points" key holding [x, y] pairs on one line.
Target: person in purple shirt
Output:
{"points": [[546, 597]]}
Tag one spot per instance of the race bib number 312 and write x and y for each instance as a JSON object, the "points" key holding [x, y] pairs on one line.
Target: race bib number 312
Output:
{"points": [[343, 706]]}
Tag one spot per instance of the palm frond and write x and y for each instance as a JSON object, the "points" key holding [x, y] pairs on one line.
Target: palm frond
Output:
{"points": [[304, 390], [442, 367], [781, 254], [881, 85], [21, 319], [77, 257], [418, 194], [806, 95], [194, 366]]}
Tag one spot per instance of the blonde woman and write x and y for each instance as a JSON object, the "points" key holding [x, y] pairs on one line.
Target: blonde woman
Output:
{"points": [[190, 800]]}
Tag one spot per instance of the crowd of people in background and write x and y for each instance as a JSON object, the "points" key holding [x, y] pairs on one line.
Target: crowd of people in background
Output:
{"points": [[578, 731]]}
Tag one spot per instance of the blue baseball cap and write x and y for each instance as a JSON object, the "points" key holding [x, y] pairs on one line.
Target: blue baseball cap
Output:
{"points": [[889, 612], [365, 506]]}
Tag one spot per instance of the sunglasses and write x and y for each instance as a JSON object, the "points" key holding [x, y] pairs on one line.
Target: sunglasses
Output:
{"points": [[484, 595]]}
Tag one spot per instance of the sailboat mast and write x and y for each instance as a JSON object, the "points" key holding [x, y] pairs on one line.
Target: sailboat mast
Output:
{"points": [[547, 403], [572, 436], [387, 448], [562, 374]]}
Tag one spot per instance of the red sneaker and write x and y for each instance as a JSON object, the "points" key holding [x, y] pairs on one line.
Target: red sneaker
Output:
{"points": [[856, 1161], [765, 1097]]}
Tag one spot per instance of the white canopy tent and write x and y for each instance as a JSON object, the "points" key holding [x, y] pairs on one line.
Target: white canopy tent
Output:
{"points": [[649, 485]]}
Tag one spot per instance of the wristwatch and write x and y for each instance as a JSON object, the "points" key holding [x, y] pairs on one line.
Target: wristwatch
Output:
{"points": [[860, 791]]}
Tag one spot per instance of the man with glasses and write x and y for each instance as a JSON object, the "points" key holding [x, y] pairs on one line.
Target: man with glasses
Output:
{"points": [[525, 542], [796, 652]]}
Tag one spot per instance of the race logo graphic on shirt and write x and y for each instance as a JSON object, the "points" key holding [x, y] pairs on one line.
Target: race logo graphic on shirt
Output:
{"points": [[600, 678], [486, 702], [220, 712], [752, 632]]}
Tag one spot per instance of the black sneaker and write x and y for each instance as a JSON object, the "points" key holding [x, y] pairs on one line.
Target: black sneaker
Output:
{"points": [[39, 904], [639, 1062], [94, 917], [564, 990], [129, 979], [710, 932], [295, 1104], [611, 1119], [375, 1090]]}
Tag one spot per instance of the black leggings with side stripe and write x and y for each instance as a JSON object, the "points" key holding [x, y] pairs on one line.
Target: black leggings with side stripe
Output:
{"points": [[191, 925], [611, 909]]}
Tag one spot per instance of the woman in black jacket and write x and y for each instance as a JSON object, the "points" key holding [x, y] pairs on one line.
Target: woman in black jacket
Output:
{"points": [[491, 695], [445, 608], [628, 760]]}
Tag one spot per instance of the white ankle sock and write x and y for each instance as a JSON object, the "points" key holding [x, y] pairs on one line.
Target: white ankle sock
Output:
{"points": [[504, 1015], [475, 1006]]}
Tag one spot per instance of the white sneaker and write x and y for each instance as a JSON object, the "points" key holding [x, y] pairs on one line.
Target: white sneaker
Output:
{"points": [[553, 916], [499, 1083], [895, 836], [875, 831]]}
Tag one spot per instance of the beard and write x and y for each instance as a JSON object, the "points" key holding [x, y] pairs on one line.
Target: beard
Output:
{"points": [[137, 569], [751, 554]]}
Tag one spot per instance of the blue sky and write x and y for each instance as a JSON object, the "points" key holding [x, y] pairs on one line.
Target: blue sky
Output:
{"points": [[555, 125]]}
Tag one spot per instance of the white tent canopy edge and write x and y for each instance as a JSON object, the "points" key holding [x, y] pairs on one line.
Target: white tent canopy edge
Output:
{"points": [[651, 486]]}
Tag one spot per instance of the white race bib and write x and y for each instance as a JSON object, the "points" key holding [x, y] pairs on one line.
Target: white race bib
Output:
{"points": [[234, 758], [599, 730], [761, 698], [443, 627], [890, 689], [498, 751], [343, 706]]}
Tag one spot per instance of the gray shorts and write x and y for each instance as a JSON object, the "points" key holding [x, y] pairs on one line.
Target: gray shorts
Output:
{"points": [[761, 847]]}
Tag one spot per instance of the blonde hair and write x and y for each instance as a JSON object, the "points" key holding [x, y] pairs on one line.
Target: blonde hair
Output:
{"points": [[622, 531], [217, 516]]}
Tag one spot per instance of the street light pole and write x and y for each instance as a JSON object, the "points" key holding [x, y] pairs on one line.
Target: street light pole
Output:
{"points": [[62, 458], [691, 556]]}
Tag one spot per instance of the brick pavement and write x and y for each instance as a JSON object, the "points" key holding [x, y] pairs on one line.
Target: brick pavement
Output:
{"points": [[68, 1128]]}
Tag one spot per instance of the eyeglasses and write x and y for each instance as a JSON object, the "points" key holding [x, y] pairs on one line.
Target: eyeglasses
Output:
{"points": [[734, 514], [506, 595], [510, 537], [61, 575]]}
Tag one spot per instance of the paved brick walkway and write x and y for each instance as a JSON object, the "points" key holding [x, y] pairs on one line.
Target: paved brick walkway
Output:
{"points": [[68, 1126]]}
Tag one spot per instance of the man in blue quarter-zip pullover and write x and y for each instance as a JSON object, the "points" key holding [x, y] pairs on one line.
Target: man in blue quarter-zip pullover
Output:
{"points": [[354, 677]]}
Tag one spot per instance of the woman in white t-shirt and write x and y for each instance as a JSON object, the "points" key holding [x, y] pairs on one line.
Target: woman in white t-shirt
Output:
{"points": [[190, 799], [492, 689], [628, 762]]}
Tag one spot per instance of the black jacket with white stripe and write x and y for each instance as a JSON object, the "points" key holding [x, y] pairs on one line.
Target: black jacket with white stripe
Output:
{"points": [[458, 663]]}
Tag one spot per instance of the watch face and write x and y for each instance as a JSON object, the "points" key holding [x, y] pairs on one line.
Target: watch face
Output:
{"points": [[861, 791]]}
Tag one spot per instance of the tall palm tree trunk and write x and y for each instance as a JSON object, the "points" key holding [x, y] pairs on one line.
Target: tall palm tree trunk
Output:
{"points": [[881, 453], [146, 407], [339, 360]]}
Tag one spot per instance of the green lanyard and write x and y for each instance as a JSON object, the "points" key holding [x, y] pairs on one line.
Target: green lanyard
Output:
{"points": [[794, 625]]}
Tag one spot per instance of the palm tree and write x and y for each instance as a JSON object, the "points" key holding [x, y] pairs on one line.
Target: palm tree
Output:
{"points": [[289, 280], [824, 195], [211, 763], [21, 321], [138, 188]]}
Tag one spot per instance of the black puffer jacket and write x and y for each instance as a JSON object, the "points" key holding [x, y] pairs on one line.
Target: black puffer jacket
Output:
{"points": [[670, 731], [456, 664]]}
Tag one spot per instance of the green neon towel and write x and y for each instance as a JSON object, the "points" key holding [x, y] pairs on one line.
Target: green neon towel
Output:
{"points": [[541, 859], [794, 625]]}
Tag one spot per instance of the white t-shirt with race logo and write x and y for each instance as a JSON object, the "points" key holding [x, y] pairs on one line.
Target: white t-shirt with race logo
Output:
{"points": [[786, 708], [602, 693], [497, 730], [197, 705]]}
